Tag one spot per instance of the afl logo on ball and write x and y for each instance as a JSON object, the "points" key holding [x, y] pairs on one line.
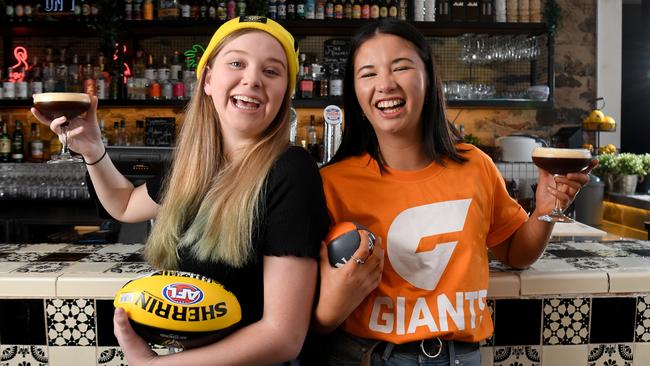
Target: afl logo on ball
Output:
{"points": [[182, 293]]}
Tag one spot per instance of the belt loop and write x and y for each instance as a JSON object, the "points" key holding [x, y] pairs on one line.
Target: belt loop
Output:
{"points": [[387, 351], [452, 353]]}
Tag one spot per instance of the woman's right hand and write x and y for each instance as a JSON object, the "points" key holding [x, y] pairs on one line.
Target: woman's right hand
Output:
{"points": [[343, 289], [84, 136]]}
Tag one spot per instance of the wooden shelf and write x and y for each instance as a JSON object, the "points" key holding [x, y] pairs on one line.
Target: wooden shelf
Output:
{"points": [[299, 28]]}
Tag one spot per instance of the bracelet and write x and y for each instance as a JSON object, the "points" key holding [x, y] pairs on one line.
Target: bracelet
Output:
{"points": [[98, 160]]}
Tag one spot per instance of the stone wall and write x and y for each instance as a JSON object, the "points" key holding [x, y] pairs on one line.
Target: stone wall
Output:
{"points": [[575, 83]]}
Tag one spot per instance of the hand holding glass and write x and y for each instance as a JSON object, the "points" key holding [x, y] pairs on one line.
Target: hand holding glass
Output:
{"points": [[560, 162], [70, 105]]}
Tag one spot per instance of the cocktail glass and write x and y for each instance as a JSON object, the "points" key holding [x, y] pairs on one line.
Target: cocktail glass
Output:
{"points": [[558, 162], [70, 105]]}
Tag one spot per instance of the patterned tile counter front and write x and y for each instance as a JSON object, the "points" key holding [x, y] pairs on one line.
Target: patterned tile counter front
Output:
{"points": [[582, 303]]}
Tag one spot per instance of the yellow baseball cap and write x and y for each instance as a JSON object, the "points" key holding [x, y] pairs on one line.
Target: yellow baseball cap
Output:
{"points": [[267, 25]]}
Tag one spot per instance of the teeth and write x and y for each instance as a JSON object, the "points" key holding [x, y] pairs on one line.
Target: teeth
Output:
{"points": [[390, 103], [246, 99]]}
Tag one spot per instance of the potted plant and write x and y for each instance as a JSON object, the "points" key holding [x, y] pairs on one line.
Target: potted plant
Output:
{"points": [[620, 171]]}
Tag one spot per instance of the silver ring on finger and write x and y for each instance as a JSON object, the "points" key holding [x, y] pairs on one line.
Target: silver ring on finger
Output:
{"points": [[357, 260]]}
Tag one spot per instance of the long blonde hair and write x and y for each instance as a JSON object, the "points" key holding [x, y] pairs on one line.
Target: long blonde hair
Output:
{"points": [[211, 204]]}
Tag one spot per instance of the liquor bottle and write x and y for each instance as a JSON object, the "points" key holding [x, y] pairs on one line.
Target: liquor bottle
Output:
{"points": [[89, 77], [329, 9], [148, 10], [282, 9], [347, 9], [442, 11], [365, 9], [313, 143], [356, 9], [102, 132], [85, 10], [36, 78], [19, 10], [168, 9], [336, 83], [18, 144], [231, 9], [393, 7], [272, 9], [94, 10], [102, 89], [291, 9], [29, 11], [338, 9], [402, 12], [74, 82], [222, 13], [306, 86], [21, 86], [195, 9], [212, 9], [138, 137], [128, 9], [203, 9], [125, 137], [310, 9], [323, 85], [61, 73], [300, 9], [374, 9], [10, 11], [241, 8], [186, 9], [115, 136], [55, 146], [5, 145], [137, 10], [383, 9], [320, 9], [35, 144]]}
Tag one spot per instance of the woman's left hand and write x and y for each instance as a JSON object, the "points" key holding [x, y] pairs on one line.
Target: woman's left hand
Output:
{"points": [[136, 350], [563, 187]]}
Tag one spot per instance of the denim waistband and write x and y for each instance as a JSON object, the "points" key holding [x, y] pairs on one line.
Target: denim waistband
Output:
{"points": [[431, 348]]}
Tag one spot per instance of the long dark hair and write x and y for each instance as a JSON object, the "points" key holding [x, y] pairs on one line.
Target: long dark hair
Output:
{"points": [[439, 137]]}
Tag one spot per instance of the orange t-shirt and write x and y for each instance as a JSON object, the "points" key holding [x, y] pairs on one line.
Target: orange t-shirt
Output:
{"points": [[436, 224]]}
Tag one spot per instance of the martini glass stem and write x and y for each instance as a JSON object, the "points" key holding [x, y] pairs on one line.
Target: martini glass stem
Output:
{"points": [[65, 151]]}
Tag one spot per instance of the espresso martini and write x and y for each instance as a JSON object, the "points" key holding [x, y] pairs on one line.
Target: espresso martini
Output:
{"points": [[561, 161], [55, 105]]}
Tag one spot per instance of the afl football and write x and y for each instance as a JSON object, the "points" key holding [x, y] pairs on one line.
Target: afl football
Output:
{"points": [[179, 309], [343, 240]]}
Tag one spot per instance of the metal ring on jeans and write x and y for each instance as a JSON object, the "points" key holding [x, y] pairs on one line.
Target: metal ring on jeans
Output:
{"points": [[359, 261], [427, 353]]}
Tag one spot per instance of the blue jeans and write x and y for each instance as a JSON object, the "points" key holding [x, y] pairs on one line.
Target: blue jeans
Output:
{"points": [[343, 349]]}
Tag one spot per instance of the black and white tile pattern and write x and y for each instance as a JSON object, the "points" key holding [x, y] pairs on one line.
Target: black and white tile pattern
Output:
{"points": [[110, 356], [20, 257], [135, 267], [70, 322], [517, 356], [105, 257], [44, 267], [566, 321], [490, 340], [14, 355], [642, 329], [610, 355]]}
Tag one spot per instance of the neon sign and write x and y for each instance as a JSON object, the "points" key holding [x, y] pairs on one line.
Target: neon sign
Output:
{"points": [[127, 69], [193, 56], [20, 53]]}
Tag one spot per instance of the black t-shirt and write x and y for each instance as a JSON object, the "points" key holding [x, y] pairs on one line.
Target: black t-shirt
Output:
{"points": [[293, 223]]}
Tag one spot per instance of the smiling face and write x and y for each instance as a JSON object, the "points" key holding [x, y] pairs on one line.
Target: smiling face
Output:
{"points": [[390, 82], [247, 86]]}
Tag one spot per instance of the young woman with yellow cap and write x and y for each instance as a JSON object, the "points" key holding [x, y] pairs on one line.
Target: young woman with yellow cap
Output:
{"points": [[239, 206]]}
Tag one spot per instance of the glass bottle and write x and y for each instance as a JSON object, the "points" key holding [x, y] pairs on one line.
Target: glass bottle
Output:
{"points": [[35, 144], [282, 9], [18, 144], [336, 83], [125, 137], [148, 10], [138, 138], [313, 143], [356, 9], [338, 9], [102, 131], [5, 145], [115, 135], [55, 146]]}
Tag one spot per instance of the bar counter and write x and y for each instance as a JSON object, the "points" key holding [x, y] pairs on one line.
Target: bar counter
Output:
{"points": [[582, 303]]}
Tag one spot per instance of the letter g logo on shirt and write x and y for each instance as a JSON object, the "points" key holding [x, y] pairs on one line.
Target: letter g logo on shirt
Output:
{"points": [[424, 269]]}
